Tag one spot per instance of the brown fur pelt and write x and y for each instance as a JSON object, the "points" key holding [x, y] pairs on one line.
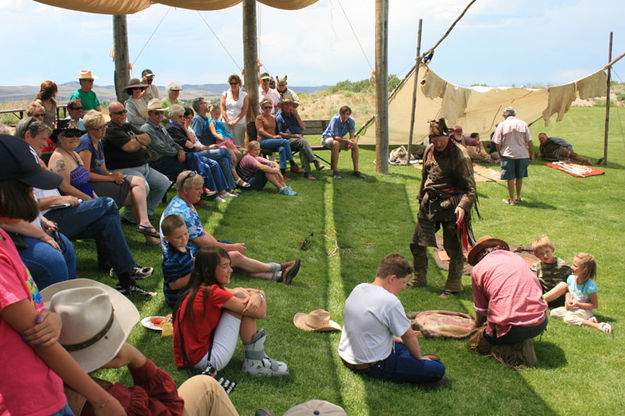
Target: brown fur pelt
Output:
{"points": [[515, 355]]}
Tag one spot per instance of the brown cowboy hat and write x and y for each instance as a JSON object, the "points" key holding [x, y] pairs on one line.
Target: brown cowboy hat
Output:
{"points": [[134, 83], [317, 320], [482, 244], [287, 101]]}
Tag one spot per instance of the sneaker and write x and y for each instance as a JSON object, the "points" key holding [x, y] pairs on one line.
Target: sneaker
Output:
{"points": [[336, 175], [287, 191], [265, 367], [290, 270], [228, 195], [137, 272], [359, 175], [133, 289], [309, 176], [219, 199]]}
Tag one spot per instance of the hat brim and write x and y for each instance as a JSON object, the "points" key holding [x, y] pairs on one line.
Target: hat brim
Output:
{"points": [[42, 179], [126, 317], [281, 103], [483, 245], [299, 320], [55, 133], [93, 77]]}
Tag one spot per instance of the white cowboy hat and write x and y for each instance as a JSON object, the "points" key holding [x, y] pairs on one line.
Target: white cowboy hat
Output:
{"points": [[86, 74], [97, 320], [155, 105], [317, 320]]}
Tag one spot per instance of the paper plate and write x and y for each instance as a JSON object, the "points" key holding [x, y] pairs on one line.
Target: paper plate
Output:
{"points": [[149, 325]]}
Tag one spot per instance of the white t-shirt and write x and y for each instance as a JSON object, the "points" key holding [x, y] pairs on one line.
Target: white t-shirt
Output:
{"points": [[372, 317], [234, 107]]}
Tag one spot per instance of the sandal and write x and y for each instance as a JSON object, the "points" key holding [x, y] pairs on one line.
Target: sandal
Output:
{"points": [[507, 201], [605, 327], [446, 294], [518, 201], [242, 184], [148, 230]]}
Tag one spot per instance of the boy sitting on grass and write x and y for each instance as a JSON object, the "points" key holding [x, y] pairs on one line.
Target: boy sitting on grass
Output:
{"points": [[377, 339], [177, 258], [550, 270]]}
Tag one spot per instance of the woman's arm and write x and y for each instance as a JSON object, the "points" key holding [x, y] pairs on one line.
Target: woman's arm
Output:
{"points": [[243, 109], [222, 106], [85, 156], [213, 130], [28, 229], [268, 169], [22, 316], [58, 165]]}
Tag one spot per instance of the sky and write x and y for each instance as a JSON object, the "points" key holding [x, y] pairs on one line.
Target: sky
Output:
{"points": [[497, 43]]}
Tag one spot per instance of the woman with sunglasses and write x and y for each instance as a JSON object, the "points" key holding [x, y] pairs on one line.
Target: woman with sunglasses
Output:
{"points": [[270, 140], [233, 104], [137, 104], [127, 190], [36, 110]]}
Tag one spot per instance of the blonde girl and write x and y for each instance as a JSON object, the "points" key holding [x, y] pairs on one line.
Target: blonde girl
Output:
{"points": [[581, 296]]}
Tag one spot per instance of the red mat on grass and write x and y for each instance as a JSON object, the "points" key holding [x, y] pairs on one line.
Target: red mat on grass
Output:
{"points": [[579, 171]]}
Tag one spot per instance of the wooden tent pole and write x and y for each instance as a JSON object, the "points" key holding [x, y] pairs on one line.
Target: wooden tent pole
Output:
{"points": [[381, 85], [120, 42], [607, 106], [250, 54], [414, 92]]}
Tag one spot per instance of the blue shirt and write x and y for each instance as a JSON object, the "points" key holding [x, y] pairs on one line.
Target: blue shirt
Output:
{"points": [[338, 128], [581, 293], [192, 220], [97, 156], [288, 123], [176, 264], [199, 127]]}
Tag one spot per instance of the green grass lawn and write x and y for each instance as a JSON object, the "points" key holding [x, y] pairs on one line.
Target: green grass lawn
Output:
{"points": [[355, 223]]}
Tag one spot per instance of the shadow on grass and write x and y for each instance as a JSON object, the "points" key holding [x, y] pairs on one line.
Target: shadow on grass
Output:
{"points": [[477, 385], [550, 356]]}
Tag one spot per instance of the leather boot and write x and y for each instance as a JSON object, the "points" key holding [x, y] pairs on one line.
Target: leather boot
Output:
{"points": [[454, 277]]}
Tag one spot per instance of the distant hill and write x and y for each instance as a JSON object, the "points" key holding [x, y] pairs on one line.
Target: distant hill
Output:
{"points": [[25, 93]]}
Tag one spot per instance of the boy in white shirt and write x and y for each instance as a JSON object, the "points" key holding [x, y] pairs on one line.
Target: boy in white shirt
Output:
{"points": [[377, 339]]}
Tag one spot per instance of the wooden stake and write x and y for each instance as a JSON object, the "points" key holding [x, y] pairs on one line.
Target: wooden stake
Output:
{"points": [[381, 86], [607, 106], [414, 91], [250, 54], [120, 40]]}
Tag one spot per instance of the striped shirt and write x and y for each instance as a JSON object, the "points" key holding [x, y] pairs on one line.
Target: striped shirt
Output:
{"points": [[176, 264]]}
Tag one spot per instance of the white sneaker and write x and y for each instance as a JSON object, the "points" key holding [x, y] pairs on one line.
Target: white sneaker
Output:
{"points": [[219, 199], [266, 367], [228, 195]]}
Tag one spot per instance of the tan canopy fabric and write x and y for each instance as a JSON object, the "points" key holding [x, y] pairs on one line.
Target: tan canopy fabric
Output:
{"points": [[476, 109], [134, 6]]}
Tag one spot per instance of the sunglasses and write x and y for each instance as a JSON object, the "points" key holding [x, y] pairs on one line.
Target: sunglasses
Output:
{"points": [[75, 108], [267, 106], [118, 113], [87, 80], [189, 175], [39, 115], [234, 83], [70, 134]]}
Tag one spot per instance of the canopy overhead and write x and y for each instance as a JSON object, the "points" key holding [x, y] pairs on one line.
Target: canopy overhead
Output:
{"points": [[133, 6], [476, 109]]}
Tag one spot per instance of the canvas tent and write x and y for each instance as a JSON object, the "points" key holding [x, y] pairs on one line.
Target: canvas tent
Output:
{"points": [[476, 109]]}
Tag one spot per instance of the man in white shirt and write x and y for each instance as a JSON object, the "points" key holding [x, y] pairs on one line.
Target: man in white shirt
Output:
{"points": [[377, 339]]}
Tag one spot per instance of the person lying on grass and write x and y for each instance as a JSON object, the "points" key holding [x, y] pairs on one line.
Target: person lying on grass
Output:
{"points": [[190, 186], [257, 170], [555, 148], [210, 318], [381, 343], [581, 295]]}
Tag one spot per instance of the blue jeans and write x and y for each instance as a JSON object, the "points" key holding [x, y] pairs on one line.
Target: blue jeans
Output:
{"points": [[258, 181], [214, 172], [97, 219], [402, 367], [280, 145], [46, 264], [66, 411], [224, 158], [157, 185], [204, 166]]}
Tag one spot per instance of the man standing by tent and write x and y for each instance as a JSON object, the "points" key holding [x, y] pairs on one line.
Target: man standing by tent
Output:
{"points": [[446, 195], [514, 144]]}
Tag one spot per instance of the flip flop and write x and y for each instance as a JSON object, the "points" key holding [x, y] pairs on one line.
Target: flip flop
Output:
{"points": [[518, 201], [507, 201], [148, 230]]}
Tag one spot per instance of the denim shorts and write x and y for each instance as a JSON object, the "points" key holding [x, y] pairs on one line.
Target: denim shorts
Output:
{"points": [[514, 168]]}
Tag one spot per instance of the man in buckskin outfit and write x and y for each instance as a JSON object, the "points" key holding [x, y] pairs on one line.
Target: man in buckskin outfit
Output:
{"points": [[446, 195]]}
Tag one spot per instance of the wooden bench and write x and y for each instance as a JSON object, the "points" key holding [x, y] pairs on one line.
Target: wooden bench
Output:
{"points": [[20, 112]]}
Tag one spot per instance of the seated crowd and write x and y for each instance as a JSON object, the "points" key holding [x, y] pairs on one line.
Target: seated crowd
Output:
{"points": [[66, 180]]}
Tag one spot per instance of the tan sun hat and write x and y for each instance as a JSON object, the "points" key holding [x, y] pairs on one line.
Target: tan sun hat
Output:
{"points": [[287, 101], [97, 320], [482, 244], [316, 407], [86, 74], [155, 105], [317, 320]]}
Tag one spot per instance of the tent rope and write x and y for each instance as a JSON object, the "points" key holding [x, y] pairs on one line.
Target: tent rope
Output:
{"points": [[151, 36], [356, 36], [431, 50], [220, 42]]}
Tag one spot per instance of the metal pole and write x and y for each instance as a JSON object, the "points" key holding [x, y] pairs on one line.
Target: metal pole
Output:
{"points": [[250, 54], [414, 91], [607, 107], [120, 40], [381, 86]]}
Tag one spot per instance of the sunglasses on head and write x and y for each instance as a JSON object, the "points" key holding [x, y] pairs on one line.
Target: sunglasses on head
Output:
{"points": [[189, 175]]}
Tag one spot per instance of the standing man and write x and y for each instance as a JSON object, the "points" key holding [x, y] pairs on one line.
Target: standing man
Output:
{"points": [[284, 91], [265, 91], [124, 148], [446, 195], [147, 77], [514, 144], [341, 124], [87, 97], [291, 127]]}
